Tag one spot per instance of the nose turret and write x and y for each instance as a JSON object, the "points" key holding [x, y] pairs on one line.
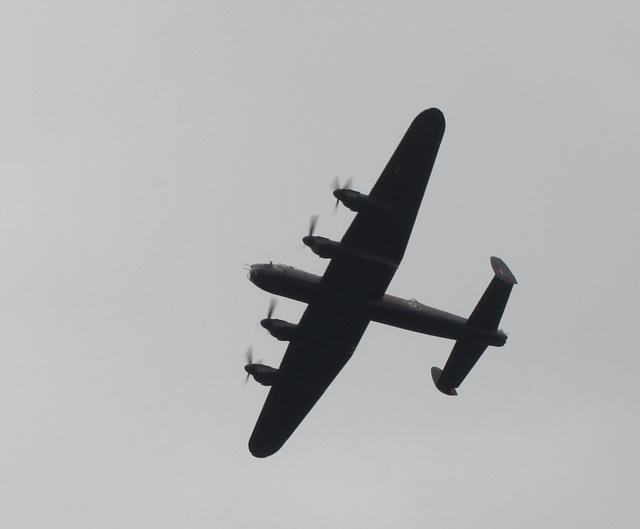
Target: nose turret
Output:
{"points": [[255, 271]]}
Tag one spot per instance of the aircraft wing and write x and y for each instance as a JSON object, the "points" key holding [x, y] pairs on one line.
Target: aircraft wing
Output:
{"points": [[326, 338], [384, 231], [329, 331]]}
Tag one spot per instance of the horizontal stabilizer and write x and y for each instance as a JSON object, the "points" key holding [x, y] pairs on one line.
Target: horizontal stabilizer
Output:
{"points": [[489, 310], [463, 357], [485, 317]]}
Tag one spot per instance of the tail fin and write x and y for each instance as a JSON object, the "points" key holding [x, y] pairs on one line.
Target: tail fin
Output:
{"points": [[447, 389], [486, 317]]}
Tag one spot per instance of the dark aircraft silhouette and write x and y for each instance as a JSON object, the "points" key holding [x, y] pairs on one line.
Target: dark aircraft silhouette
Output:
{"points": [[351, 293]]}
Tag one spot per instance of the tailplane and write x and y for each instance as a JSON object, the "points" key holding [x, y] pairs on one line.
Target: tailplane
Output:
{"points": [[485, 318], [488, 312]]}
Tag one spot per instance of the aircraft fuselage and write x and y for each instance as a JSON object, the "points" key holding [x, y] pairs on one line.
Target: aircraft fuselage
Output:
{"points": [[408, 314]]}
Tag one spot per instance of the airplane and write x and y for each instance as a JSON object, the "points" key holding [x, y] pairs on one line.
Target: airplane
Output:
{"points": [[352, 293]]}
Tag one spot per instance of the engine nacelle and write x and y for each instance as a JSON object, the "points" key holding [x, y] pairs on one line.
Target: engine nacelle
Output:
{"points": [[357, 201], [280, 329], [328, 249], [265, 375], [321, 246]]}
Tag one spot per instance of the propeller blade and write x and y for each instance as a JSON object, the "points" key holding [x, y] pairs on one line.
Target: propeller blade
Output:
{"points": [[248, 356], [349, 183], [337, 187], [272, 306], [312, 224], [335, 184]]}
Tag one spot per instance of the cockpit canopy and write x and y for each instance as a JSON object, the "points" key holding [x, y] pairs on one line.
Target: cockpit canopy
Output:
{"points": [[272, 265], [277, 267]]}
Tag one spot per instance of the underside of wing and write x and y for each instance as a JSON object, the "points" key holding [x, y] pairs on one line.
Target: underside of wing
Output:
{"points": [[327, 337], [379, 235]]}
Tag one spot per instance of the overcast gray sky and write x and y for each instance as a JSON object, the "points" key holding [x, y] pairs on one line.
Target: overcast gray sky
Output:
{"points": [[151, 149]]}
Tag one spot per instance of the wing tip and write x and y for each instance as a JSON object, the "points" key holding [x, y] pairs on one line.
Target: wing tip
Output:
{"points": [[266, 442], [261, 450], [434, 117]]}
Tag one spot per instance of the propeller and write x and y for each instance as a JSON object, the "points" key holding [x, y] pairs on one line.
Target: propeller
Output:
{"points": [[307, 240], [337, 187], [265, 323], [312, 224], [272, 306], [249, 359], [248, 356]]}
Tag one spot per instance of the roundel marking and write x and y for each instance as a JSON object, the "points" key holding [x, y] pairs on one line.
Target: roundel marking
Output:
{"points": [[413, 303]]}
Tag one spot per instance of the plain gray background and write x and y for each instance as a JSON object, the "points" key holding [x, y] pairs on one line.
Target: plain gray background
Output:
{"points": [[150, 150]]}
